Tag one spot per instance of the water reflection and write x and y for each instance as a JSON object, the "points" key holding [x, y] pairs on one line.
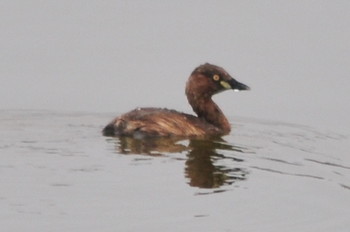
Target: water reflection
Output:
{"points": [[210, 163], [202, 169], [148, 146]]}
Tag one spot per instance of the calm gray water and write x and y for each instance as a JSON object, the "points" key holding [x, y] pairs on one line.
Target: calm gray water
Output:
{"points": [[58, 173]]}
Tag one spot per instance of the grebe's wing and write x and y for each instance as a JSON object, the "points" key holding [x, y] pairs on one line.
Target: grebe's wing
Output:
{"points": [[153, 122]]}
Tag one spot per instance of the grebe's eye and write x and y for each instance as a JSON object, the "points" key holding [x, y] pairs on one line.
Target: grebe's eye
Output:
{"points": [[216, 77]]}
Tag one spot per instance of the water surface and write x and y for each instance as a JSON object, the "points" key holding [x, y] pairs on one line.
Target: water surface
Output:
{"points": [[59, 174]]}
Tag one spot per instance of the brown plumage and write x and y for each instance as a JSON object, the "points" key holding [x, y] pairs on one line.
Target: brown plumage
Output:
{"points": [[205, 81]]}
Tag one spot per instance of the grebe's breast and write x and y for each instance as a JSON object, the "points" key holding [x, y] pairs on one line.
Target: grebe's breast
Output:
{"points": [[153, 122]]}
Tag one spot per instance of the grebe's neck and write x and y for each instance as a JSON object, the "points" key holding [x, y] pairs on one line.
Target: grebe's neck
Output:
{"points": [[206, 109]]}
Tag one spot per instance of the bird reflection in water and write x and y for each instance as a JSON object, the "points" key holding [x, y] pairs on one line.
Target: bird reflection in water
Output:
{"points": [[202, 170], [202, 158]]}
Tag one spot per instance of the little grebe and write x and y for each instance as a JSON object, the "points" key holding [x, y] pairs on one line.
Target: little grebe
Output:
{"points": [[205, 81]]}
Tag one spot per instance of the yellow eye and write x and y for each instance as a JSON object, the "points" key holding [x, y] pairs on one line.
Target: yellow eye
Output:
{"points": [[216, 77]]}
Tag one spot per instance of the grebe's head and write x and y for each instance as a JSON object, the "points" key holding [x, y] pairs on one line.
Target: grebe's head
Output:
{"points": [[209, 79]]}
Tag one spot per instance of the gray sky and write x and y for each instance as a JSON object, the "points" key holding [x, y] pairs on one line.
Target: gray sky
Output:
{"points": [[113, 56]]}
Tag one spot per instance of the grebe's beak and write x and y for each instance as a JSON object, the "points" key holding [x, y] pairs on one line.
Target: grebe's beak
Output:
{"points": [[235, 85]]}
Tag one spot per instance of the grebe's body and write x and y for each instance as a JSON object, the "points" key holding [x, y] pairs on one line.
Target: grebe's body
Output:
{"points": [[205, 81], [159, 122]]}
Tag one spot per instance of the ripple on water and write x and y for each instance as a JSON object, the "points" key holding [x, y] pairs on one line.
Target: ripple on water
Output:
{"points": [[262, 174], [278, 148]]}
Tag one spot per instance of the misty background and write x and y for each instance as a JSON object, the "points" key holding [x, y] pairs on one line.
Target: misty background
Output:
{"points": [[113, 56]]}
